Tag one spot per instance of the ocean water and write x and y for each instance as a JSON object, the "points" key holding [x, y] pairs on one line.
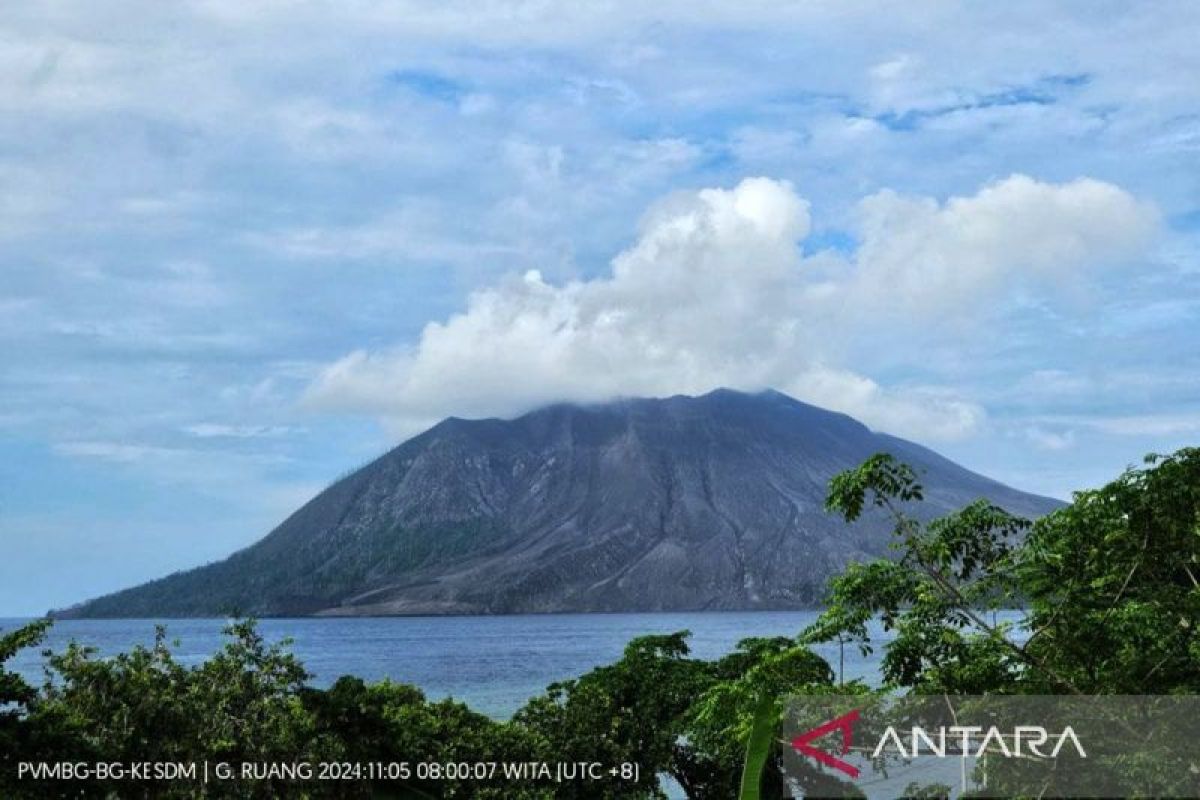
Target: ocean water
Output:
{"points": [[494, 664]]}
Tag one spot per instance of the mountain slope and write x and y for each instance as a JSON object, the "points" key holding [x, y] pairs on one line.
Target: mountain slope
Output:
{"points": [[711, 502]]}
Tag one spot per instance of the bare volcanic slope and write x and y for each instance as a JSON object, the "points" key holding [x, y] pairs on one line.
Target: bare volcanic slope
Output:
{"points": [[683, 503]]}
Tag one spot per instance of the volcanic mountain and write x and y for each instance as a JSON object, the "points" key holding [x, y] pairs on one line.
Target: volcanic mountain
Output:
{"points": [[682, 503]]}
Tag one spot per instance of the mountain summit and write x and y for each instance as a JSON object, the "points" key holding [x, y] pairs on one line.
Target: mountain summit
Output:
{"points": [[682, 503]]}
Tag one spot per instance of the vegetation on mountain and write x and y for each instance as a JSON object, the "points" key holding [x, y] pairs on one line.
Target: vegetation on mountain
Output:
{"points": [[1109, 584]]}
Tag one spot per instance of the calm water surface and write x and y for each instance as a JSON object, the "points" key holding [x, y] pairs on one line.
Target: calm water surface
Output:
{"points": [[494, 664]]}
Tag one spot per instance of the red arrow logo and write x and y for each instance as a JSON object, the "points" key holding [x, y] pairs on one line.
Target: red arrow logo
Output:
{"points": [[845, 724]]}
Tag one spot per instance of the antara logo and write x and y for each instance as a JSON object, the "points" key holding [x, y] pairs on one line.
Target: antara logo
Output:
{"points": [[1033, 738], [845, 724], [1026, 740]]}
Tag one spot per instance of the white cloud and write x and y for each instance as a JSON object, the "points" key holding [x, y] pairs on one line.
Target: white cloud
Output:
{"points": [[406, 233], [920, 255], [208, 469], [1143, 425], [120, 452], [924, 413], [1050, 440], [894, 68], [212, 430], [716, 291], [893, 84]]}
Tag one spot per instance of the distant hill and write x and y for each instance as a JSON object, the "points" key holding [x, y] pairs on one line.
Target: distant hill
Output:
{"points": [[683, 503]]}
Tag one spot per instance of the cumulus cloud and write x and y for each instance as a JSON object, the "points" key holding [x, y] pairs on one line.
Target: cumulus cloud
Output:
{"points": [[925, 256], [717, 290], [925, 413]]}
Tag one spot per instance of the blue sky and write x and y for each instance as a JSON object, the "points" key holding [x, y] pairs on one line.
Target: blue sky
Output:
{"points": [[245, 247]]}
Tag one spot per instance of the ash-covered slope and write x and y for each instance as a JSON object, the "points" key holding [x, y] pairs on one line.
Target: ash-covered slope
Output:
{"points": [[683, 503]]}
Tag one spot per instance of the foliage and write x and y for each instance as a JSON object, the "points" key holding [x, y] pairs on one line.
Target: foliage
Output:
{"points": [[250, 704], [390, 722], [20, 739], [758, 748], [1108, 583], [628, 712], [655, 707]]}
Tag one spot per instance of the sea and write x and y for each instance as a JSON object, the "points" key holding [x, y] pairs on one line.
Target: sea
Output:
{"points": [[494, 664]]}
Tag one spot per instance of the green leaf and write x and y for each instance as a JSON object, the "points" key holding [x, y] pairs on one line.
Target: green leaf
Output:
{"points": [[758, 749]]}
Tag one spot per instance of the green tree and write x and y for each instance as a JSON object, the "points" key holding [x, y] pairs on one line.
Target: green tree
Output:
{"points": [[15, 694], [628, 712], [21, 738], [240, 706], [390, 722], [673, 715], [1108, 584], [739, 714]]}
